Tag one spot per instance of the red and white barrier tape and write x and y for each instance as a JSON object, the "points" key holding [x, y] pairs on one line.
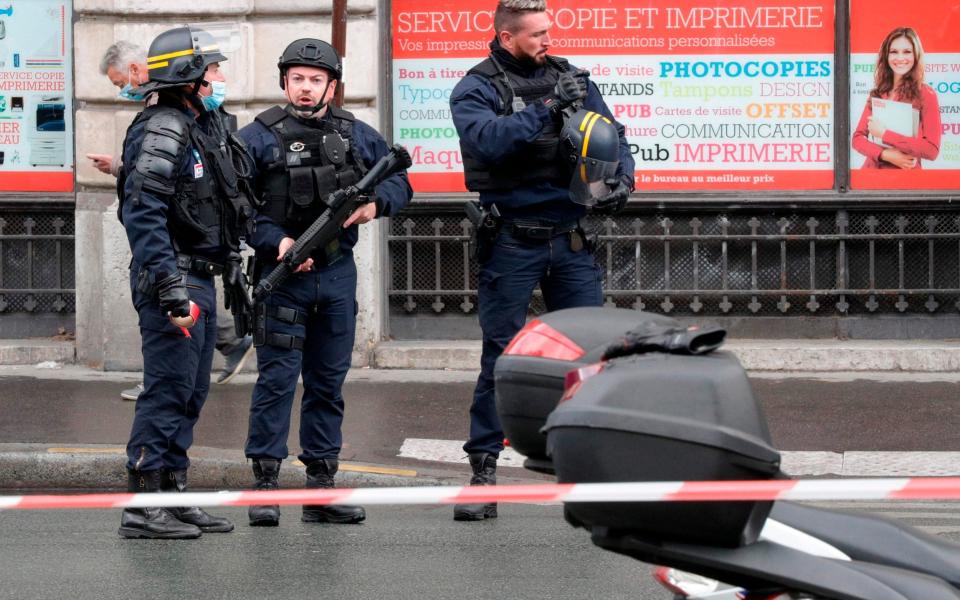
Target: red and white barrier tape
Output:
{"points": [[917, 488]]}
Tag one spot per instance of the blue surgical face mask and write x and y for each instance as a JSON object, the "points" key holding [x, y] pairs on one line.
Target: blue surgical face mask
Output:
{"points": [[216, 97], [126, 93]]}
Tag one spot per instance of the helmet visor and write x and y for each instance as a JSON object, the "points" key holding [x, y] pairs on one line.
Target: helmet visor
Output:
{"points": [[589, 180], [222, 37]]}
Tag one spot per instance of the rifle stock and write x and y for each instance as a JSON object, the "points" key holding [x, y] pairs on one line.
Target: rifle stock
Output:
{"points": [[327, 226]]}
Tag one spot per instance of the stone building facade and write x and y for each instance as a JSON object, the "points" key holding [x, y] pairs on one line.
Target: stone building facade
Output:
{"points": [[106, 328]]}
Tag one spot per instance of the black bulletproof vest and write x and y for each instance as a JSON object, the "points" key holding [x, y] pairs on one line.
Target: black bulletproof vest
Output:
{"points": [[195, 216], [539, 161], [316, 158]]}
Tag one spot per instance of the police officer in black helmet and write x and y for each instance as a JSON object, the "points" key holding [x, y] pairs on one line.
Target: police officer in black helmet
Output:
{"points": [[185, 214], [303, 151], [510, 111]]}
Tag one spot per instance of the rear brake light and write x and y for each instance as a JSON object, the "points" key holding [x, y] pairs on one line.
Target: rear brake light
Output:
{"points": [[575, 378], [683, 584], [662, 575], [539, 339]]}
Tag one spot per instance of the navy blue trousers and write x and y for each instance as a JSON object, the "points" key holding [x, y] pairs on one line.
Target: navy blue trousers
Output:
{"points": [[327, 297], [567, 279], [176, 378]]}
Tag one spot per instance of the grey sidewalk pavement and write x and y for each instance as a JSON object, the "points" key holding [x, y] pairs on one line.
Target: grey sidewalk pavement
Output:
{"points": [[47, 443], [930, 356], [64, 426], [935, 356]]}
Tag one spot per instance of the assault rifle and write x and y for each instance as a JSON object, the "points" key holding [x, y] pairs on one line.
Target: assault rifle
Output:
{"points": [[327, 226]]}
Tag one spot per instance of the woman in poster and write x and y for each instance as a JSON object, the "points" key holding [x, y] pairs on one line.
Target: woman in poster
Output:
{"points": [[898, 86]]}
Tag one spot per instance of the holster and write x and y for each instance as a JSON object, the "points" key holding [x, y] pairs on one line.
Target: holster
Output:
{"points": [[591, 237], [486, 227], [145, 282]]}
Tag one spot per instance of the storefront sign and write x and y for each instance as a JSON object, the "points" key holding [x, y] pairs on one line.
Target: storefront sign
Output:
{"points": [[714, 96], [36, 96], [888, 43]]}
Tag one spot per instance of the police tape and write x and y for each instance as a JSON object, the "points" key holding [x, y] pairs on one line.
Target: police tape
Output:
{"points": [[914, 488]]}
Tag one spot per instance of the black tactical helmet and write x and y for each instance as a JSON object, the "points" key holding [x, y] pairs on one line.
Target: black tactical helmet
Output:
{"points": [[310, 52], [179, 56], [591, 146]]}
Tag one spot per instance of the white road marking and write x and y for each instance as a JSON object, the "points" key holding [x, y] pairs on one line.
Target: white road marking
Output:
{"points": [[796, 463], [451, 451]]}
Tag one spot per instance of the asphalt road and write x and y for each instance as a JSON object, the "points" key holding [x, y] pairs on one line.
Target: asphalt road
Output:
{"points": [[398, 553]]}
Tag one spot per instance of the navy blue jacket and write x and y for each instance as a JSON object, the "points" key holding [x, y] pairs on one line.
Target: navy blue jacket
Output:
{"points": [[146, 221], [392, 194], [495, 139]]}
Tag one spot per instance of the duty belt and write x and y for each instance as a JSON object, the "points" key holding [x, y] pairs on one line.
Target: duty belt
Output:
{"points": [[539, 230], [198, 265]]}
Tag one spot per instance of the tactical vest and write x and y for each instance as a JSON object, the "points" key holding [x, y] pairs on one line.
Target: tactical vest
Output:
{"points": [[315, 159], [539, 161], [207, 214]]}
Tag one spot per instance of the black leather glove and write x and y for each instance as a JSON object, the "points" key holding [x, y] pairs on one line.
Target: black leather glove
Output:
{"points": [[652, 337], [582, 76], [568, 90], [234, 284], [174, 299], [614, 201]]}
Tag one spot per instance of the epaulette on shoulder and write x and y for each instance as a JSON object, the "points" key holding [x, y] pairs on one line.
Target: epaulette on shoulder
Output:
{"points": [[272, 116]]}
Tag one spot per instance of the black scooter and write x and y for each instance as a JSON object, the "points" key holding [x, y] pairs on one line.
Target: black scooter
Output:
{"points": [[608, 395]]}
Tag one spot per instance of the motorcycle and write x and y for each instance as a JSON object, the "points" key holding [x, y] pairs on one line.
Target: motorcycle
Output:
{"points": [[660, 402], [834, 534]]}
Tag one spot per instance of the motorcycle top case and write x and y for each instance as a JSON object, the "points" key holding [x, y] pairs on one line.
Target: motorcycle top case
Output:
{"points": [[529, 381], [666, 417]]}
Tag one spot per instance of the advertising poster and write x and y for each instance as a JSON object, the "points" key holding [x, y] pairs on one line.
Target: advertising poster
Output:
{"points": [[732, 95], [905, 86], [36, 96]]}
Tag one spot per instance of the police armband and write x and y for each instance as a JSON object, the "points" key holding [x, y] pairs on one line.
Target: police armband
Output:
{"points": [[163, 144]]}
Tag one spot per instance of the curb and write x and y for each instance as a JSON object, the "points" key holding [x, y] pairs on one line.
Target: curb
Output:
{"points": [[820, 356], [33, 351], [89, 467], [791, 355]]}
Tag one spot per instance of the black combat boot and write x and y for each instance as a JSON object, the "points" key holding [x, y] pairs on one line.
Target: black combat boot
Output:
{"points": [[266, 472], [154, 523], [484, 467], [176, 481], [320, 474]]}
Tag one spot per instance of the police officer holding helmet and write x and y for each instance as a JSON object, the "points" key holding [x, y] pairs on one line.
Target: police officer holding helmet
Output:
{"points": [[304, 151], [535, 177], [185, 214]]}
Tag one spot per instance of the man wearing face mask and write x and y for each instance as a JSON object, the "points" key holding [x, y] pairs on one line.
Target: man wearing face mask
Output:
{"points": [[304, 151], [125, 65], [185, 215]]}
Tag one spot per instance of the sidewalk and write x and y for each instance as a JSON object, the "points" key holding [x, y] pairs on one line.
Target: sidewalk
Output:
{"points": [[65, 426], [817, 356]]}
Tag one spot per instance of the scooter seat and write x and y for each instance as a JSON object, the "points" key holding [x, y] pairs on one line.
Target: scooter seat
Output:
{"points": [[875, 539]]}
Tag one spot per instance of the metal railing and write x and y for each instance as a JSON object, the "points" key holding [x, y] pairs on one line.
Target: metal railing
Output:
{"points": [[37, 261], [715, 262]]}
